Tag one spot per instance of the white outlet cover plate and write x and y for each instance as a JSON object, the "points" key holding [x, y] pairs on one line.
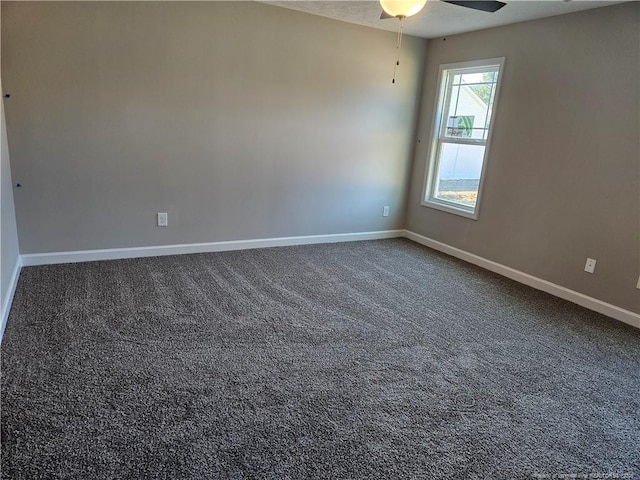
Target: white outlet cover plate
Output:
{"points": [[162, 219], [590, 266]]}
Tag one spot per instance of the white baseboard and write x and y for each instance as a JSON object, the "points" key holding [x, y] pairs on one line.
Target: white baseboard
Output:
{"points": [[8, 300], [591, 303], [136, 252]]}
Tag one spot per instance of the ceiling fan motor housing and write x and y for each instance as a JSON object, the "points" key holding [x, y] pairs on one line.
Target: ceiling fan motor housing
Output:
{"points": [[402, 8]]}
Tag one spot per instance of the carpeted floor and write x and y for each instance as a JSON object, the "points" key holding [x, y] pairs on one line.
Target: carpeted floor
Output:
{"points": [[367, 360]]}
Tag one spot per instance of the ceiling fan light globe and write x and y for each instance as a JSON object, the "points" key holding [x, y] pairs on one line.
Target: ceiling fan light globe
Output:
{"points": [[402, 8]]}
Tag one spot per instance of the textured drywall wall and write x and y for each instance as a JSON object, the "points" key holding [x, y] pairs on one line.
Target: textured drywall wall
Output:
{"points": [[239, 119], [563, 179], [9, 250]]}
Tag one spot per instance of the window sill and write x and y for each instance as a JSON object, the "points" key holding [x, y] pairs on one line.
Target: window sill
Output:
{"points": [[451, 208]]}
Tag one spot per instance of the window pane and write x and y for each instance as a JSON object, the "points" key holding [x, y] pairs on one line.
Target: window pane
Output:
{"points": [[458, 175], [482, 91], [468, 109], [473, 77], [460, 126]]}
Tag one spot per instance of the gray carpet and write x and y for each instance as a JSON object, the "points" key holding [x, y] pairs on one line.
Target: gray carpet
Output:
{"points": [[368, 360]]}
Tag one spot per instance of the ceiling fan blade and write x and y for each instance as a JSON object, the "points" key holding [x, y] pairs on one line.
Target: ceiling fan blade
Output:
{"points": [[485, 6], [384, 15]]}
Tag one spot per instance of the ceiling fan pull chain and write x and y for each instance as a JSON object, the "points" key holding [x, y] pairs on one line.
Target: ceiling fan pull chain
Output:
{"points": [[398, 46]]}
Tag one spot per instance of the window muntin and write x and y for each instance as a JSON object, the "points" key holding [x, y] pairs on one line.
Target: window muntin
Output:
{"points": [[461, 131]]}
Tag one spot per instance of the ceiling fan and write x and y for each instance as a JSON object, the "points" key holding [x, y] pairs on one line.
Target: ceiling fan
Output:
{"points": [[402, 9], [482, 5]]}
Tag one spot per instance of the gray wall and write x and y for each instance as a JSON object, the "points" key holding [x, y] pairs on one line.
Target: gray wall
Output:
{"points": [[563, 179], [9, 252], [241, 120]]}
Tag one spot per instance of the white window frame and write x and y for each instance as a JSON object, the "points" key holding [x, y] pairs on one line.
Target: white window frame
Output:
{"points": [[437, 136]]}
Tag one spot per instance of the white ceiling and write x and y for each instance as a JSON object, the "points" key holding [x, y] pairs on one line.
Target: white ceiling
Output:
{"points": [[439, 19]]}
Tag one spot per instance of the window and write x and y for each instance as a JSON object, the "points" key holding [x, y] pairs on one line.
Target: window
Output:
{"points": [[466, 105]]}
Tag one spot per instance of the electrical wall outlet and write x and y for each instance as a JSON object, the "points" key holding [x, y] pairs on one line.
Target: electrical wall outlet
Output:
{"points": [[385, 211], [638, 284], [162, 219], [590, 266]]}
